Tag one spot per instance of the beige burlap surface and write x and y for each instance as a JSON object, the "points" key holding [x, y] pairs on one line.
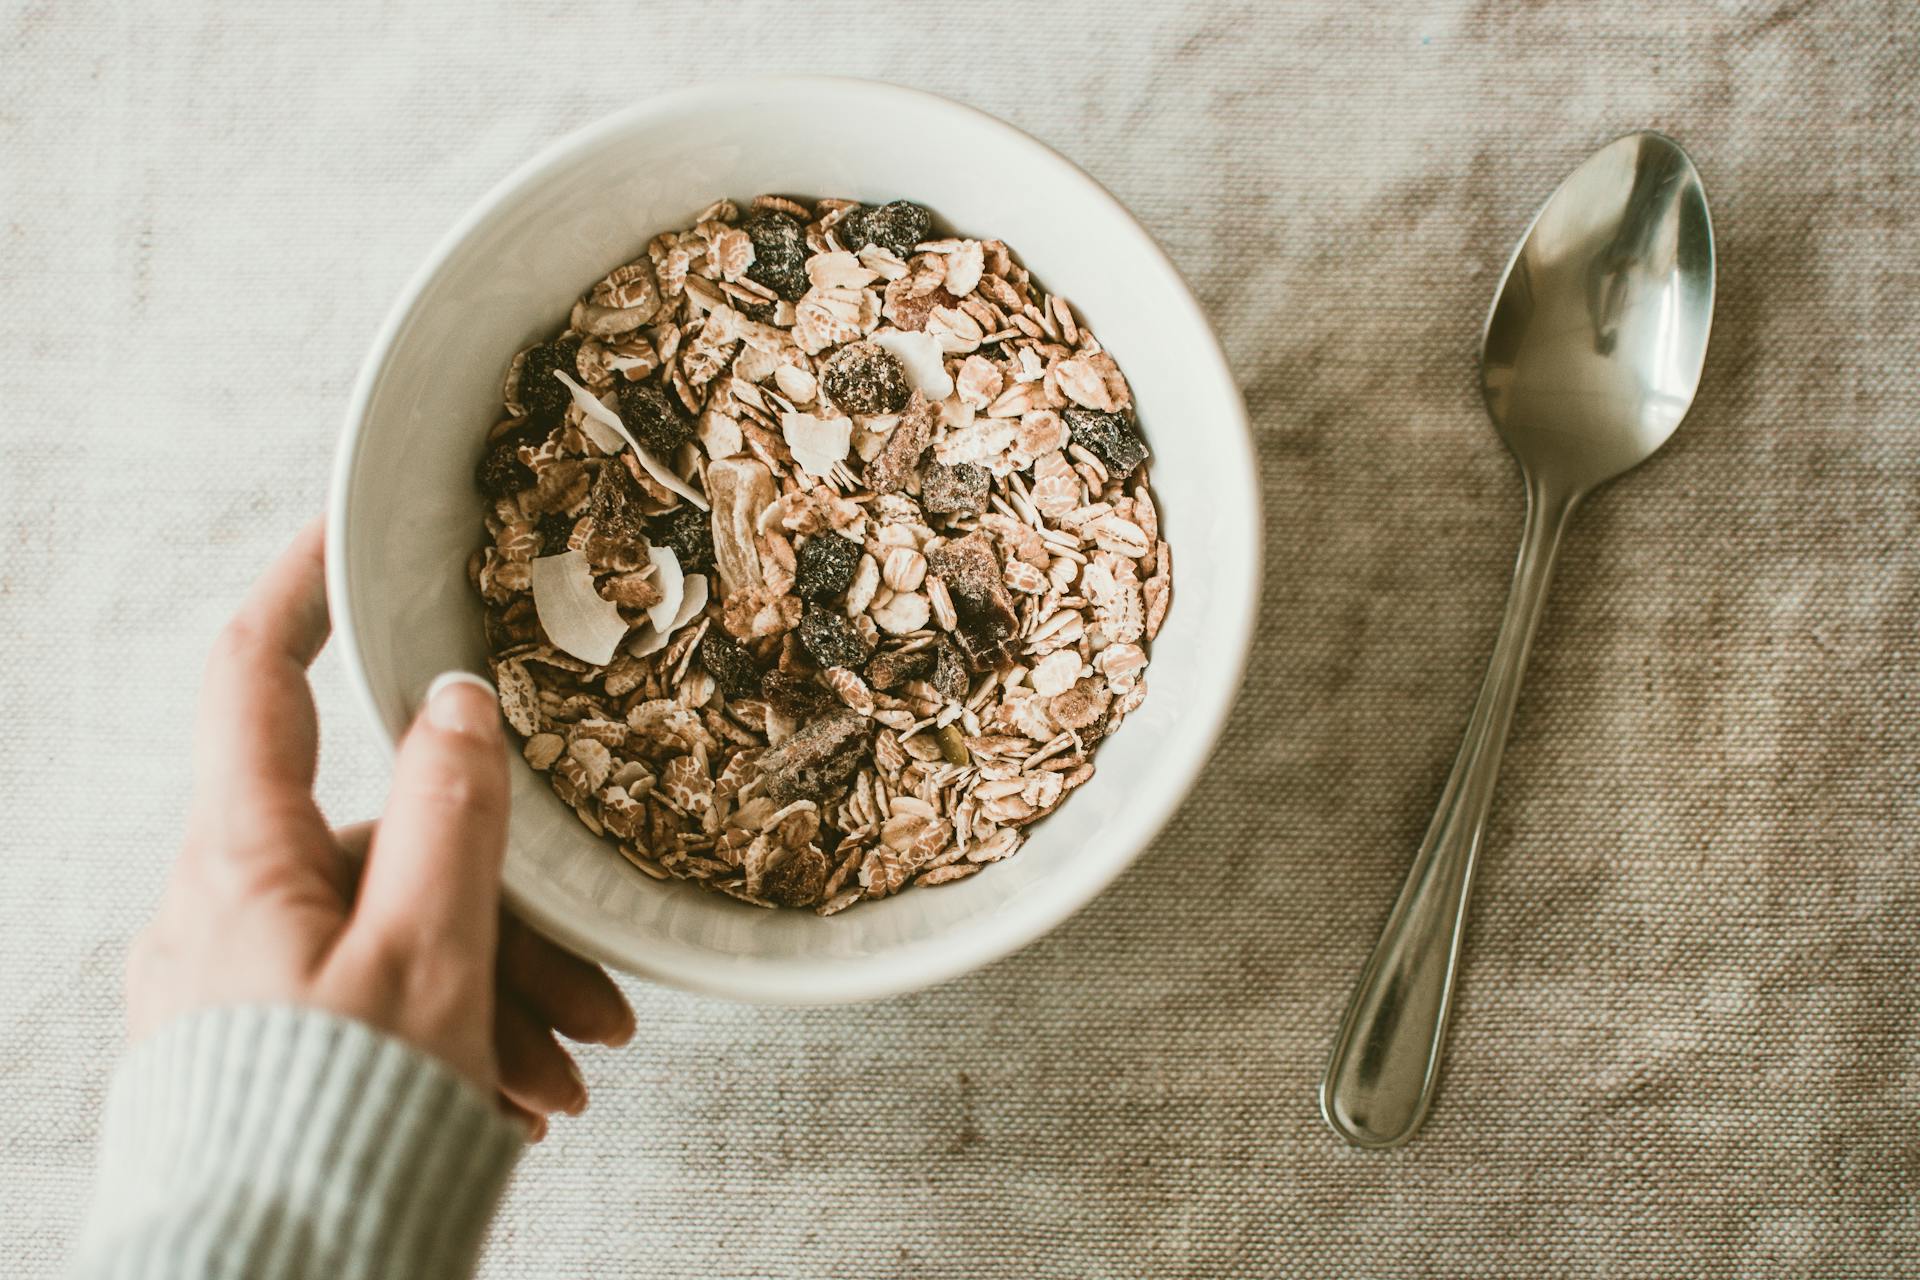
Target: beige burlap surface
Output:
{"points": [[1686, 1040]]}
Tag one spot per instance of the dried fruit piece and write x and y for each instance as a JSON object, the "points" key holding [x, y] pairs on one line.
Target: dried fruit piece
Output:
{"points": [[901, 454], [892, 668], [632, 590], [653, 418], [795, 695], [555, 529], [731, 666], [688, 531], [958, 488], [799, 881], [824, 566], [779, 252], [1109, 437], [971, 572], [865, 378], [949, 677], [543, 396], [896, 226], [830, 640], [615, 536], [817, 761], [500, 472]]}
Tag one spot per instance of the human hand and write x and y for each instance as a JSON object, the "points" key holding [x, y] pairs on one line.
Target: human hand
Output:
{"points": [[397, 924]]}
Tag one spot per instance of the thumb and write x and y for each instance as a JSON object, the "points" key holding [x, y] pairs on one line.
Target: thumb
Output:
{"points": [[432, 880]]}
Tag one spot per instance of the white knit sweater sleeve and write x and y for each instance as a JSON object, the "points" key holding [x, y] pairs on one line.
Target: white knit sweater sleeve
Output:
{"points": [[276, 1143]]}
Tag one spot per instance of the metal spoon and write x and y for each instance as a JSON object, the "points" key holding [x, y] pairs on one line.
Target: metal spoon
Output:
{"points": [[1591, 357]]}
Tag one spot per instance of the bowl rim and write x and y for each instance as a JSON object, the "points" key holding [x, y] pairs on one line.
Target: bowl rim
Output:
{"points": [[919, 964]]}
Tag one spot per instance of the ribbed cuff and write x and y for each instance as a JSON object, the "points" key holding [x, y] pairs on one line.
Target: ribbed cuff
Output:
{"points": [[287, 1142]]}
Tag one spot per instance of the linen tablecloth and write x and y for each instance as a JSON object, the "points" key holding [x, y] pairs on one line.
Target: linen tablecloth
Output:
{"points": [[1685, 1042]]}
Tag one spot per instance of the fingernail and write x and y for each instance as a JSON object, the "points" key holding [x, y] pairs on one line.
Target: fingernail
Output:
{"points": [[462, 702]]}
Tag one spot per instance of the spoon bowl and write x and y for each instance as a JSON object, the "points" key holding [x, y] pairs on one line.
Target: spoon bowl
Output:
{"points": [[1592, 355], [1598, 331]]}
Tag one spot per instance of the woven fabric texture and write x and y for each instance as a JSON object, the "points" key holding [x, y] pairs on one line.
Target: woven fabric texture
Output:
{"points": [[1685, 1042]]}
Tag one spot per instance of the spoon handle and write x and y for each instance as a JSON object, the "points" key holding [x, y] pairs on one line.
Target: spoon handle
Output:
{"points": [[1387, 1055]]}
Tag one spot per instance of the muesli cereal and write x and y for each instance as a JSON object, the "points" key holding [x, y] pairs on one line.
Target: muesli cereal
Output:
{"points": [[820, 553]]}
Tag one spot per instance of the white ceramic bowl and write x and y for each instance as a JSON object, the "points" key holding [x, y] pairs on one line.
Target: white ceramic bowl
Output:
{"points": [[404, 515]]}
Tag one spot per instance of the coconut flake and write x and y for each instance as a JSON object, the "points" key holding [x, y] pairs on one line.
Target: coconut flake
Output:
{"points": [[817, 443], [650, 639], [693, 599], [672, 584], [665, 475], [602, 423], [575, 617], [920, 354]]}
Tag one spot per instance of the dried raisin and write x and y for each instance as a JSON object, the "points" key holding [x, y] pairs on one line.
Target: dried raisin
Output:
{"points": [[825, 565]]}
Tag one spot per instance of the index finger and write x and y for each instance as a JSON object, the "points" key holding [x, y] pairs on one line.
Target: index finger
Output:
{"points": [[257, 742]]}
